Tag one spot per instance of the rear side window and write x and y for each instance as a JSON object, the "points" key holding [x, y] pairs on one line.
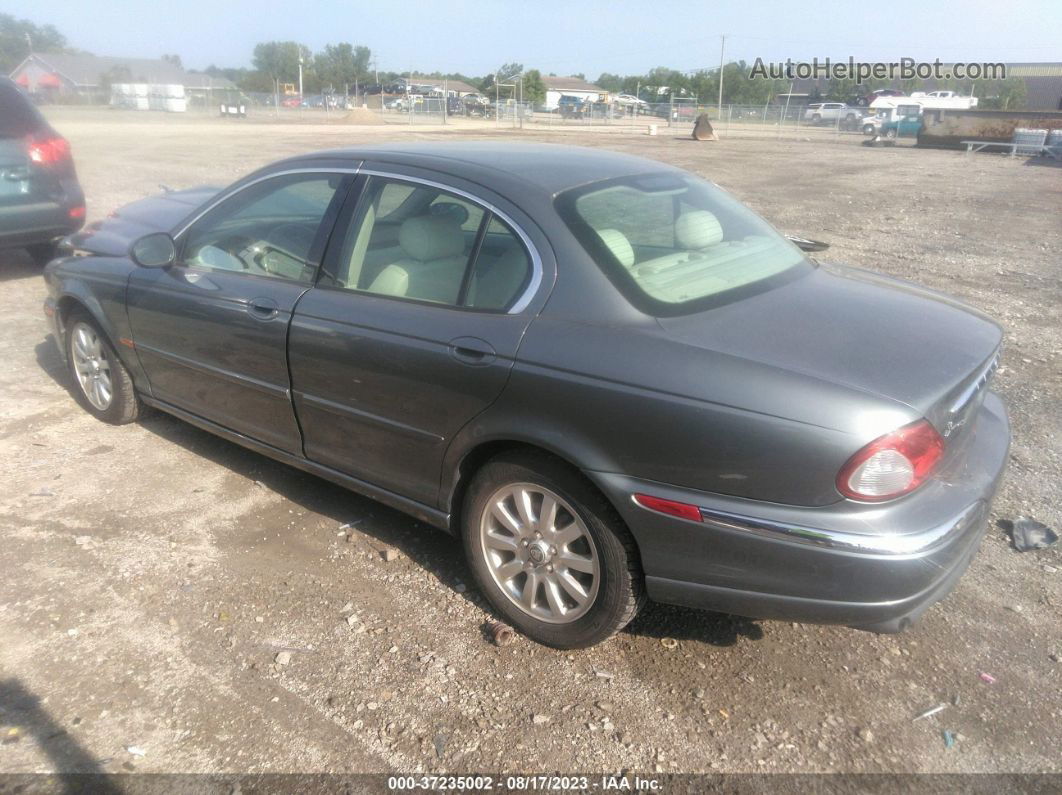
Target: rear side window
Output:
{"points": [[675, 244], [419, 242], [18, 117]]}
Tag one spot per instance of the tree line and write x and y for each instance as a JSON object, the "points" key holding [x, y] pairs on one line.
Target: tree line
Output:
{"points": [[340, 67]]}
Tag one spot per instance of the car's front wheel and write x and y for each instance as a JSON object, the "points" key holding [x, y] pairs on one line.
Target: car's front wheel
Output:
{"points": [[102, 384], [549, 551]]}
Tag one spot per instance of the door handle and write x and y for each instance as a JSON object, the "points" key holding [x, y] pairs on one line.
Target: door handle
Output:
{"points": [[262, 308], [472, 351]]}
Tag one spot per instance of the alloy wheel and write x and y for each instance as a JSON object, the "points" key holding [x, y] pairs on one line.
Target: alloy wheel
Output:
{"points": [[91, 365], [540, 553]]}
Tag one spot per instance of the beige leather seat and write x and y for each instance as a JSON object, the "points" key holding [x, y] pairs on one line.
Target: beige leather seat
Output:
{"points": [[433, 263], [698, 229], [496, 280], [617, 242]]}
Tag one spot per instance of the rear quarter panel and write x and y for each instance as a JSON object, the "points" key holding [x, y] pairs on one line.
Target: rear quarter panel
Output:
{"points": [[627, 401]]}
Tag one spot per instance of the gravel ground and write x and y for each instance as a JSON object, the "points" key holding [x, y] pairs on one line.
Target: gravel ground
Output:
{"points": [[152, 573]]}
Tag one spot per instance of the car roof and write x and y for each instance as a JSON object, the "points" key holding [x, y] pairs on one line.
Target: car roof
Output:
{"points": [[549, 167]]}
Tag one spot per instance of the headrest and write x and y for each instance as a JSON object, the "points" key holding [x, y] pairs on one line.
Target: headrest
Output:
{"points": [[428, 237], [697, 229], [618, 244]]}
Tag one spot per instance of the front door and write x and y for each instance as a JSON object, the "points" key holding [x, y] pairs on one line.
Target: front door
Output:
{"points": [[411, 331], [211, 330]]}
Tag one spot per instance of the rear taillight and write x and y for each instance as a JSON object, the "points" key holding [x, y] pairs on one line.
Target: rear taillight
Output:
{"points": [[49, 151], [892, 465]]}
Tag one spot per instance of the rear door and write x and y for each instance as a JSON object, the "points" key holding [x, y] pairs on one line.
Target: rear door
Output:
{"points": [[211, 330], [412, 330]]}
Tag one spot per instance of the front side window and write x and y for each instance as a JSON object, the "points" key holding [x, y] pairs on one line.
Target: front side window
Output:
{"points": [[266, 229], [674, 243], [415, 241]]}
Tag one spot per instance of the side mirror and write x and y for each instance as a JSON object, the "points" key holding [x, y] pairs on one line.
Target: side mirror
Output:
{"points": [[807, 245], [156, 250]]}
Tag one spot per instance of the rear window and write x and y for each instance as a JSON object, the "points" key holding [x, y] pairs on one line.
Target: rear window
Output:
{"points": [[675, 244], [18, 117]]}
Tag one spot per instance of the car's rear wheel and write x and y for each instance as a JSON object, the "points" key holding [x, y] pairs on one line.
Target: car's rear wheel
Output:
{"points": [[101, 383], [549, 551]]}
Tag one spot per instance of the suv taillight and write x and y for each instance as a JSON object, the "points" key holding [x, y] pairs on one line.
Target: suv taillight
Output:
{"points": [[49, 151], [892, 465]]}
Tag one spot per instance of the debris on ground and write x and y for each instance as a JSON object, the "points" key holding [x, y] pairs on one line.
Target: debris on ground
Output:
{"points": [[539, 720], [135, 750], [930, 711], [389, 554], [702, 129], [949, 738], [1029, 534], [603, 674], [283, 657], [669, 643], [11, 736], [83, 541], [501, 634], [43, 491], [987, 678]]}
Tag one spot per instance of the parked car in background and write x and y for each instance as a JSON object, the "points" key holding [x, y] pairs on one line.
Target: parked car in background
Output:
{"points": [[611, 379], [571, 107], [631, 102], [291, 102], [40, 197], [833, 113], [866, 99]]}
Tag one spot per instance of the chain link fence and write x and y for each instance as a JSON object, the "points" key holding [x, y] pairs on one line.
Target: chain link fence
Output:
{"points": [[727, 120]]}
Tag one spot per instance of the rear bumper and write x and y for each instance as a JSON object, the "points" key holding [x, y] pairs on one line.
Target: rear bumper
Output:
{"points": [[41, 221], [877, 567]]}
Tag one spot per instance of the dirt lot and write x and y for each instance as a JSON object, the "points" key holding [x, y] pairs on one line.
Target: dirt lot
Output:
{"points": [[152, 572]]}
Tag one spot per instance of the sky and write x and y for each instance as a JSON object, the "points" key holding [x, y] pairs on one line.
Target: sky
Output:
{"points": [[475, 37]]}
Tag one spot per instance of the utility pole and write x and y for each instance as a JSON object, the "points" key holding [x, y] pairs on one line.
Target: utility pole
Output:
{"points": [[300, 78], [722, 47], [29, 43]]}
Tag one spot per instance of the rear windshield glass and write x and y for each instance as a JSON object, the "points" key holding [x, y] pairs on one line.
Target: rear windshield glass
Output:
{"points": [[18, 118], [675, 243]]}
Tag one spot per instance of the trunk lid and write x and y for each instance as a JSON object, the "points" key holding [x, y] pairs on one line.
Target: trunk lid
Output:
{"points": [[112, 236], [863, 331]]}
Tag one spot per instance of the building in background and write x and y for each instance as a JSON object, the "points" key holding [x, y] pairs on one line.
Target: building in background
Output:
{"points": [[88, 78]]}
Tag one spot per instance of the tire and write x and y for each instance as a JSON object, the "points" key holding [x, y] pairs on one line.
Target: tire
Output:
{"points": [[816, 118], [890, 134], [570, 607], [868, 129], [101, 383], [42, 253]]}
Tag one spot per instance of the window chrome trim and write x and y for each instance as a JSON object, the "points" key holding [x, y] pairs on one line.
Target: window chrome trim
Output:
{"points": [[178, 231], [535, 282]]}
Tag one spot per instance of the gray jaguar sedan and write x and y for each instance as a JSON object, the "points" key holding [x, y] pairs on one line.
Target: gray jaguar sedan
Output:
{"points": [[605, 376]]}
